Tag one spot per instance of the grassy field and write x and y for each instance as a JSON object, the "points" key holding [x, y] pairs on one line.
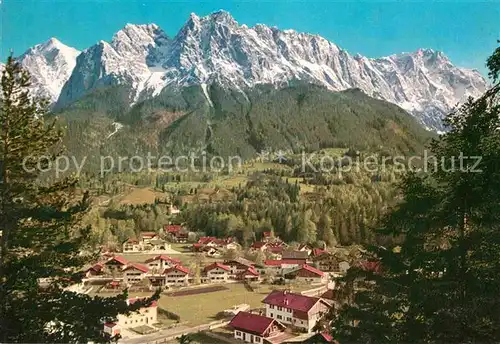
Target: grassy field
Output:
{"points": [[203, 308]]}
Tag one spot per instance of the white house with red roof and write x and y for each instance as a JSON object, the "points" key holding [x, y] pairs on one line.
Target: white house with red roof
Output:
{"points": [[95, 270], [307, 274], [161, 262], [250, 274], [254, 328], [132, 245], [281, 266], [176, 275], [134, 273], [146, 237], [215, 273], [238, 265], [294, 309], [145, 316]]}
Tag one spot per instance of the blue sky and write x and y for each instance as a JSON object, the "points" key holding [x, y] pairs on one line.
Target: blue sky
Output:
{"points": [[465, 31]]}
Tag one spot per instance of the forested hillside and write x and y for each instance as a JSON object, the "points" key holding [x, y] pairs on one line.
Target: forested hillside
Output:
{"points": [[230, 122]]}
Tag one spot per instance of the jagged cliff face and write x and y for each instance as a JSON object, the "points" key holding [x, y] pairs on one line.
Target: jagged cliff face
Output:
{"points": [[50, 64], [216, 48]]}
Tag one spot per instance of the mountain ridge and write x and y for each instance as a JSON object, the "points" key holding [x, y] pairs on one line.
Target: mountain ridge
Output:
{"points": [[216, 48]]}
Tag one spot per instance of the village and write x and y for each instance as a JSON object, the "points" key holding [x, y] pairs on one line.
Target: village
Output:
{"points": [[209, 287]]}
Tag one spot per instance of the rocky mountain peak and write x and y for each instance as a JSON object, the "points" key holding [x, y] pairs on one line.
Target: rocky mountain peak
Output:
{"points": [[215, 48], [50, 64]]}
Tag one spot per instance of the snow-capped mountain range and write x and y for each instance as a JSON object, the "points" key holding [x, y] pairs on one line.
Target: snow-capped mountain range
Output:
{"points": [[216, 48]]}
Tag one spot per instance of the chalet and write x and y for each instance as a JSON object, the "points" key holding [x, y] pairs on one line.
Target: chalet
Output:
{"points": [[161, 262], [280, 265], [115, 263], [132, 245], [134, 273], [327, 262], [146, 237], [176, 232], [176, 276], [238, 265], [249, 275], [157, 245], [296, 255], [216, 273], [297, 310], [307, 274], [144, 316], [95, 270], [204, 243], [276, 249], [254, 328]]}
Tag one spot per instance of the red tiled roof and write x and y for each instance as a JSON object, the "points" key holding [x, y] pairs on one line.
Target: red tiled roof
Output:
{"points": [[164, 258], [216, 265], [312, 269], [96, 267], [251, 323], [176, 268], [250, 272], [172, 228], [110, 324], [297, 302], [118, 259], [136, 266], [275, 262]]}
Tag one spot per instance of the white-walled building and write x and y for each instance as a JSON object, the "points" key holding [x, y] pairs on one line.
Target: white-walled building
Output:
{"points": [[295, 309], [161, 262], [144, 316], [254, 328], [134, 273], [176, 276], [216, 273]]}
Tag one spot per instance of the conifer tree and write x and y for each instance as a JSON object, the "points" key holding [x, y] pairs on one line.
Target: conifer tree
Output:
{"points": [[440, 285], [43, 244]]}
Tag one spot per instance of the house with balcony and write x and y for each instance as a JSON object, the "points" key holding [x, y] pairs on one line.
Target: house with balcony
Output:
{"points": [[215, 273], [131, 245], [238, 265], [297, 310], [161, 262], [176, 275], [307, 274], [134, 273]]}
